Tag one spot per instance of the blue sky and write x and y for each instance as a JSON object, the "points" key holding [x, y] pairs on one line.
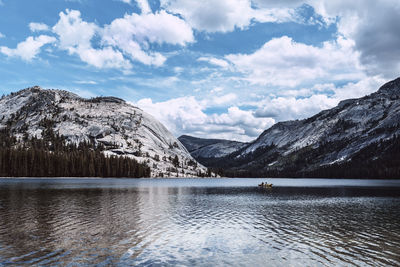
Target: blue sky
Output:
{"points": [[221, 69]]}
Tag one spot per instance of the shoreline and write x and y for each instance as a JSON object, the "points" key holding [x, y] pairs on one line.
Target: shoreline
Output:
{"points": [[197, 178]]}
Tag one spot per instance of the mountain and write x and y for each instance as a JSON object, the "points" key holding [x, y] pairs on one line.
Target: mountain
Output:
{"points": [[357, 138], [206, 150], [108, 122]]}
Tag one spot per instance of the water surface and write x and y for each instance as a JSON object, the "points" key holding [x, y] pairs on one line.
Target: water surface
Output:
{"points": [[299, 222]]}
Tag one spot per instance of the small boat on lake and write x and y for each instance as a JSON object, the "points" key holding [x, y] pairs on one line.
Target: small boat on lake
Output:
{"points": [[265, 185]]}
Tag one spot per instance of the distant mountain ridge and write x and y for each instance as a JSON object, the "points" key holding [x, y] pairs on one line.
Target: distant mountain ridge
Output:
{"points": [[119, 127], [345, 141], [205, 150]]}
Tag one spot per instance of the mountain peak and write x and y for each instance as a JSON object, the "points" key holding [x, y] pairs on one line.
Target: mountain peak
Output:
{"points": [[108, 122], [392, 87], [36, 87]]}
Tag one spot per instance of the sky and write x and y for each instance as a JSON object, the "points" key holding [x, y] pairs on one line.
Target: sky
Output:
{"points": [[212, 69]]}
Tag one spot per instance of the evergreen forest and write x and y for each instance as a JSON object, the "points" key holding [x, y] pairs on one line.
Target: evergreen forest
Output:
{"points": [[52, 156]]}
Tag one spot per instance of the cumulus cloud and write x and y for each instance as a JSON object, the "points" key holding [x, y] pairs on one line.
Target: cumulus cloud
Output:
{"points": [[178, 114], [144, 6], [224, 99], [2, 35], [104, 58], [75, 36], [243, 121], [223, 15], [374, 26], [185, 115], [28, 49], [371, 24], [160, 27], [291, 107], [283, 62], [214, 61], [133, 33], [36, 27], [74, 33], [361, 88], [130, 36]]}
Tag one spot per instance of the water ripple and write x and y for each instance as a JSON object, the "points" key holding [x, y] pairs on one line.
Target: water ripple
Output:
{"points": [[182, 225]]}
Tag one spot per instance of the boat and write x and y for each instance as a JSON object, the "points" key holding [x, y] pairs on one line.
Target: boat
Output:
{"points": [[265, 185]]}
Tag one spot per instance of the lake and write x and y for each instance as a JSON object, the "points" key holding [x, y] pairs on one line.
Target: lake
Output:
{"points": [[203, 222]]}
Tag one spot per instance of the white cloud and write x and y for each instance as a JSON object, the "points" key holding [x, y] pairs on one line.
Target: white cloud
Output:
{"points": [[75, 36], [361, 88], [144, 6], [283, 62], [214, 61], [28, 49], [289, 107], [159, 28], [216, 90], [104, 58], [212, 16], [74, 33], [86, 82], [278, 4], [178, 114], [185, 115], [224, 99], [2, 35], [133, 33], [244, 122], [373, 25], [223, 15], [129, 36], [36, 27], [276, 15], [178, 70]]}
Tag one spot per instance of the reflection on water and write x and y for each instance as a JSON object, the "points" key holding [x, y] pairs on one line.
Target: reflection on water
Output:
{"points": [[199, 222]]}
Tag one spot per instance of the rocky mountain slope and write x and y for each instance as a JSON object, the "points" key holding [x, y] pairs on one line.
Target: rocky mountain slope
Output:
{"points": [[209, 148], [120, 127], [329, 141]]}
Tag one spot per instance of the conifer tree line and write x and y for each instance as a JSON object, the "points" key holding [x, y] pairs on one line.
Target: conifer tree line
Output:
{"points": [[51, 156]]}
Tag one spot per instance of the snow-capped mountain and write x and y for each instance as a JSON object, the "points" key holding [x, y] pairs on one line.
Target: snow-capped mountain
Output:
{"points": [[123, 129], [333, 137], [201, 148]]}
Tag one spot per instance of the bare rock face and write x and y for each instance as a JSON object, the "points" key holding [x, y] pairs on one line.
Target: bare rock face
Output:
{"points": [[122, 128], [210, 148]]}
